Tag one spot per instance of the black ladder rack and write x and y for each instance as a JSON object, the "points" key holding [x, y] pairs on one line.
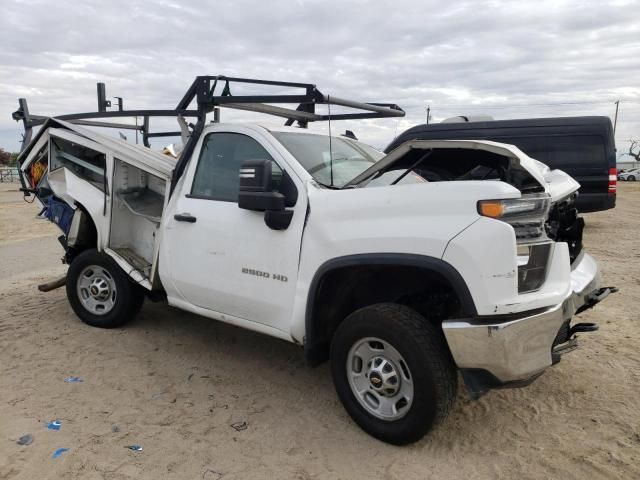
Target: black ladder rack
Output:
{"points": [[210, 92]]}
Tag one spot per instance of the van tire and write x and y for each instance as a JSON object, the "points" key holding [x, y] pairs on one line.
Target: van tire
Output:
{"points": [[421, 348], [100, 292]]}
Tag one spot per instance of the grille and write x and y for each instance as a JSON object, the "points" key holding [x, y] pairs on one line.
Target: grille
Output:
{"points": [[528, 231]]}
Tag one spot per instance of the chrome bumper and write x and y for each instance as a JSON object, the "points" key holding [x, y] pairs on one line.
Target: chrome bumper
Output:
{"points": [[515, 348]]}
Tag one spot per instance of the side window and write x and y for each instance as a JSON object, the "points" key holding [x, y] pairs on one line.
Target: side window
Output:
{"points": [[83, 161], [217, 173]]}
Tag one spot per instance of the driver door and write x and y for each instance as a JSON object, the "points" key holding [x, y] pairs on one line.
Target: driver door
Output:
{"points": [[224, 259]]}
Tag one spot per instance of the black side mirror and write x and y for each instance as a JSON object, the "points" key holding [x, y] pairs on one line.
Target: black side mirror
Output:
{"points": [[256, 193], [255, 187]]}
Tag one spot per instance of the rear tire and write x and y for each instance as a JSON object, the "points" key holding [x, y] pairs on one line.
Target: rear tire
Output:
{"points": [[393, 372], [100, 293], [631, 178]]}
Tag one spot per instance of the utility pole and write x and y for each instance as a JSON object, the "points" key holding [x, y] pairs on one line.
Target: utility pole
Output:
{"points": [[428, 113], [615, 120]]}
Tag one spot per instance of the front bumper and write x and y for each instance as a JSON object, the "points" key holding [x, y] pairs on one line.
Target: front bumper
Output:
{"points": [[513, 349]]}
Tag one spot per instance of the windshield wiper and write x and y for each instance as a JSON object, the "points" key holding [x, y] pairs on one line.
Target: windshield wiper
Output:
{"points": [[330, 187], [415, 164]]}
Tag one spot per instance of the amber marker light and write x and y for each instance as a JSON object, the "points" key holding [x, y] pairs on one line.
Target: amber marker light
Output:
{"points": [[490, 208]]}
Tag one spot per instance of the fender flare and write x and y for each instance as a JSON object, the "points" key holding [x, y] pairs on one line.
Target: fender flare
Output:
{"points": [[433, 264]]}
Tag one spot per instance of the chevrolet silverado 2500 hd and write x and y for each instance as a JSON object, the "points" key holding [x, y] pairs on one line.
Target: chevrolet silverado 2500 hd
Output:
{"points": [[323, 241]]}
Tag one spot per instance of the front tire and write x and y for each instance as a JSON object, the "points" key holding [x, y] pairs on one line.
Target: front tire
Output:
{"points": [[393, 372], [100, 293]]}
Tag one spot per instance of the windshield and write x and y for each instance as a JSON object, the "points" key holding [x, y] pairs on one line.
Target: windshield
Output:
{"points": [[350, 158]]}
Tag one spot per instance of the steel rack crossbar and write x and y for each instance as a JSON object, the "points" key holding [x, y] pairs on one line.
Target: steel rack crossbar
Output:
{"points": [[209, 93]]}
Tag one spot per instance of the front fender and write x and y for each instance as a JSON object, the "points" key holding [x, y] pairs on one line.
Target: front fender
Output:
{"points": [[485, 255], [417, 219]]}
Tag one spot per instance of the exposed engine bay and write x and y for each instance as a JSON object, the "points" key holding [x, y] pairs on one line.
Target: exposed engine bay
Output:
{"points": [[564, 225]]}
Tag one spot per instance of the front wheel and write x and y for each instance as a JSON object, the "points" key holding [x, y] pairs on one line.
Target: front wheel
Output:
{"points": [[393, 372], [100, 293]]}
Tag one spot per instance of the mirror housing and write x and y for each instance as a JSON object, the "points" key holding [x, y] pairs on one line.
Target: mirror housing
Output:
{"points": [[255, 187]]}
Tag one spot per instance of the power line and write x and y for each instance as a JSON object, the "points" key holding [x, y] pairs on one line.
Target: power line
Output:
{"points": [[528, 104], [524, 105]]}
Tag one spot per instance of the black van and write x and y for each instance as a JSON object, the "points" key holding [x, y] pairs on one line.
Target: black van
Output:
{"points": [[583, 147]]}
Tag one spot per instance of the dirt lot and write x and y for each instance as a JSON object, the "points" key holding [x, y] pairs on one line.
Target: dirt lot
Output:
{"points": [[174, 383]]}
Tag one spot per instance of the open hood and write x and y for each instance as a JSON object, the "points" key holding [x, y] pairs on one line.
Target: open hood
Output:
{"points": [[556, 183]]}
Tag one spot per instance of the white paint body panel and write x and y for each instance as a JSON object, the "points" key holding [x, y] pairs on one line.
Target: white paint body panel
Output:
{"points": [[415, 219], [485, 256], [200, 264]]}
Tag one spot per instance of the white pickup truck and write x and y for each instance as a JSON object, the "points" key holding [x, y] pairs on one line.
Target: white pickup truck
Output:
{"points": [[399, 279]]}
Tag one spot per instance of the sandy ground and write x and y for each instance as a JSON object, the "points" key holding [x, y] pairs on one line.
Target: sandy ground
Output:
{"points": [[175, 383]]}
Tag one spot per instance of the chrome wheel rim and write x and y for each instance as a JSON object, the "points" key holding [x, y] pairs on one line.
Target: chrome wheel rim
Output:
{"points": [[96, 290], [379, 378]]}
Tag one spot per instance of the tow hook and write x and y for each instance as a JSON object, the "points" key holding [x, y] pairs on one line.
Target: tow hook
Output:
{"points": [[571, 342], [583, 328], [566, 347], [601, 294], [596, 297]]}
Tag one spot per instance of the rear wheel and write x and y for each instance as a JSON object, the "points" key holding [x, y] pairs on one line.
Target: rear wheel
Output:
{"points": [[100, 293], [393, 372], [631, 178]]}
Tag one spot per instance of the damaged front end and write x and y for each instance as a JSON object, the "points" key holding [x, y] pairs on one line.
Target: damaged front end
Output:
{"points": [[526, 305], [565, 225]]}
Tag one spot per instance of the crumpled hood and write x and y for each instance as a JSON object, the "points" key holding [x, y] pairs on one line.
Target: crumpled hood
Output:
{"points": [[555, 182]]}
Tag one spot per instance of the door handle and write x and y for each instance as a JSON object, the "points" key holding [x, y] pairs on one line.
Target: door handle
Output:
{"points": [[185, 217]]}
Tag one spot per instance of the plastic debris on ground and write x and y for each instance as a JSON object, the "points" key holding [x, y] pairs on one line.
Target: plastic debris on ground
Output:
{"points": [[73, 380], [239, 426], [25, 439], [55, 425], [59, 452], [210, 474], [135, 448]]}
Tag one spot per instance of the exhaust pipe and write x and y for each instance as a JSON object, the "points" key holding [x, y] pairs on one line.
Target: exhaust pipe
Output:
{"points": [[53, 284]]}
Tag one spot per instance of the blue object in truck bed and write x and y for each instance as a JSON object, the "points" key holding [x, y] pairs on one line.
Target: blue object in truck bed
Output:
{"points": [[59, 212]]}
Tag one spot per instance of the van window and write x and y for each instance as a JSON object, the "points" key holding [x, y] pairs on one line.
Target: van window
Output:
{"points": [[564, 150]]}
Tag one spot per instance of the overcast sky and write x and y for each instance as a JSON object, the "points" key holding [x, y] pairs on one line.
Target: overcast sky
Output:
{"points": [[505, 59]]}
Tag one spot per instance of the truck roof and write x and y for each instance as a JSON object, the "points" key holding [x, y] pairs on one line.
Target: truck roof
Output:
{"points": [[268, 127]]}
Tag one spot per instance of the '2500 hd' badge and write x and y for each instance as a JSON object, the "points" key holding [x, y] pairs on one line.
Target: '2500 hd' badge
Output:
{"points": [[259, 273]]}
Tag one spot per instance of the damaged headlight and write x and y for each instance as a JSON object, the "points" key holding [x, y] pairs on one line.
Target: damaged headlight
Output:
{"points": [[527, 216]]}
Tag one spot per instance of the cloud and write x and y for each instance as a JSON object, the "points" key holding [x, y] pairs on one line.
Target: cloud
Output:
{"points": [[505, 59]]}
